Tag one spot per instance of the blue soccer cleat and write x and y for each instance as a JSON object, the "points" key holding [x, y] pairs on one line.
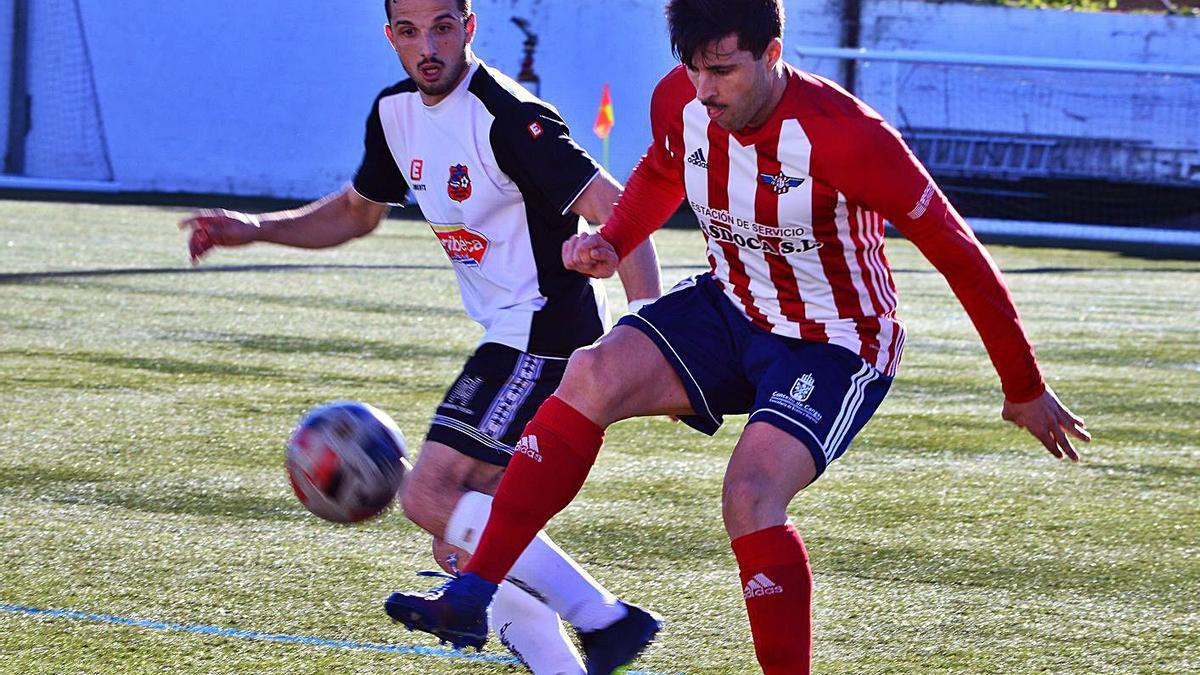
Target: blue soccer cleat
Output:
{"points": [[609, 649], [455, 612]]}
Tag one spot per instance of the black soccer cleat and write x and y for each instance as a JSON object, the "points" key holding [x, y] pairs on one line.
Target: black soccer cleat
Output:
{"points": [[609, 649], [455, 611]]}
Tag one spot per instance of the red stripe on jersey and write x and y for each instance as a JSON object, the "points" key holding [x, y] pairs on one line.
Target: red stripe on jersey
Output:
{"points": [[837, 270], [783, 275], [718, 198], [893, 363], [887, 266], [869, 329], [864, 267], [832, 252]]}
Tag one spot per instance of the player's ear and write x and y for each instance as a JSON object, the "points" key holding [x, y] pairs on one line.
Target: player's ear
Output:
{"points": [[387, 30], [774, 52], [470, 26]]}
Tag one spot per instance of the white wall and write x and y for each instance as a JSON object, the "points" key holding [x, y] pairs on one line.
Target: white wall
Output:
{"points": [[263, 97], [269, 97]]}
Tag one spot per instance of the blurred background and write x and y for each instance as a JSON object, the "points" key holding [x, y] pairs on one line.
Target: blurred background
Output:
{"points": [[1026, 115]]}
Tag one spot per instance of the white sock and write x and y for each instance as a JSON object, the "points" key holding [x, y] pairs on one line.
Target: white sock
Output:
{"points": [[543, 569], [532, 631]]}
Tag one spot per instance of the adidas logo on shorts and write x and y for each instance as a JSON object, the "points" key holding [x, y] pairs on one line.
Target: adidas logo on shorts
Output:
{"points": [[697, 159], [528, 446], [759, 586]]}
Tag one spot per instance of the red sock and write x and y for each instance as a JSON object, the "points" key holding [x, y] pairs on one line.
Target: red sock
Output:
{"points": [[777, 586], [549, 466]]}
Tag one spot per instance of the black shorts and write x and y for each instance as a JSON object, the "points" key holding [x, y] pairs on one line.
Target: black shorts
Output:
{"points": [[494, 397]]}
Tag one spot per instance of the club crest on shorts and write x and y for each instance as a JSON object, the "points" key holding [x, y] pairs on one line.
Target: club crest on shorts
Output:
{"points": [[459, 185], [780, 182], [803, 387]]}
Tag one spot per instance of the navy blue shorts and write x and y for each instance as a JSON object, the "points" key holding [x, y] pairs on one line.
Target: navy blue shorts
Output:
{"points": [[819, 393], [494, 397]]}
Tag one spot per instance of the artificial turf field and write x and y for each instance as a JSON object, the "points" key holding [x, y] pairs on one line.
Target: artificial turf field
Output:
{"points": [[144, 408]]}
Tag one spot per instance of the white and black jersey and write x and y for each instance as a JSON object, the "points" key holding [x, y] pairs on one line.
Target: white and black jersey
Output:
{"points": [[495, 173]]}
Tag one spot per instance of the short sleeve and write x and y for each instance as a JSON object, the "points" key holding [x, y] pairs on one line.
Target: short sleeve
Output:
{"points": [[534, 147], [378, 178]]}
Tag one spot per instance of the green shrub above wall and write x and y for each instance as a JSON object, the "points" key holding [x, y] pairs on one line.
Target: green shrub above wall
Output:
{"points": [[1178, 7]]}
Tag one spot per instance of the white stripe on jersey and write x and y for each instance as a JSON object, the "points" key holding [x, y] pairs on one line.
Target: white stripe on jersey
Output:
{"points": [[850, 253], [695, 136], [875, 262], [887, 329], [795, 154], [743, 187]]}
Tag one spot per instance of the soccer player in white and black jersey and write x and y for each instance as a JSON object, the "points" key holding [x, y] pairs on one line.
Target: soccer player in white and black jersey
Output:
{"points": [[503, 187], [795, 324]]}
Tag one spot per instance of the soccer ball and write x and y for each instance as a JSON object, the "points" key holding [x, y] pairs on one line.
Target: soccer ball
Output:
{"points": [[346, 461]]}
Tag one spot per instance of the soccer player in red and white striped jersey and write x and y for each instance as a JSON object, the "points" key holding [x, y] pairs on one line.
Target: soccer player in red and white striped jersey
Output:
{"points": [[791, 179]]}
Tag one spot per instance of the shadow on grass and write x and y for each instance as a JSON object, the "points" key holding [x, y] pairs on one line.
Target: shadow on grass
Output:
{"points": [[983, 569], [174, 367], [1069, 270], [15, 278], [71, 485], [293, 344], [1152, 474], [34, 277], [270, 344]]}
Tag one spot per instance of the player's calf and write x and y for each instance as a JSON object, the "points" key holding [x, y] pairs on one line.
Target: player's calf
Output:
{"points": [[768, 467]]}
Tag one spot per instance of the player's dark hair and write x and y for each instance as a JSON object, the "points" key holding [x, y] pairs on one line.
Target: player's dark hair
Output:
{"points": [[696, 23], [464, 6]]}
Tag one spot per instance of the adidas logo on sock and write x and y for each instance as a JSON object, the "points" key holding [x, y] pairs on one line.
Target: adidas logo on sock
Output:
{"points": [[697, 159], [759, 586], [528, 446]]}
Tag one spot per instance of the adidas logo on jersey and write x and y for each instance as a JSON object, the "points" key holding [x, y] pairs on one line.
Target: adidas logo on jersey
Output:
{"points": [[528, 446], [759, 586], [697, 159]]}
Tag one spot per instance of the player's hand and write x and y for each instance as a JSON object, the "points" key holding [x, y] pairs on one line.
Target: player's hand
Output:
{"points": [[1050, 422], [590, 254], [218, 227]]}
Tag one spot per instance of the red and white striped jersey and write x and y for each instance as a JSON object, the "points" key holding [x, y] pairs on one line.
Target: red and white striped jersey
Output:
{"points": [[793, 213]]}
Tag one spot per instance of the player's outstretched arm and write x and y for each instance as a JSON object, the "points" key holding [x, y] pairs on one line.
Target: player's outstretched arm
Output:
{"points": [[328, 222], [1050, 422], [877, 169]]}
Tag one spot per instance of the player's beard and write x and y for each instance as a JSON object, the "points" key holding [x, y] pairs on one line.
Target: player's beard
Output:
{"points": [[452, 72]]}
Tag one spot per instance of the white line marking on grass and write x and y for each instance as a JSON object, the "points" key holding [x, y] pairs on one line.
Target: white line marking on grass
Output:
{"points": [[266, 637]]}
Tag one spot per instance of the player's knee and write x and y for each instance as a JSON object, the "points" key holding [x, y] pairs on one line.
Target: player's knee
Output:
{"points": [[748, 505], [589, 374]]}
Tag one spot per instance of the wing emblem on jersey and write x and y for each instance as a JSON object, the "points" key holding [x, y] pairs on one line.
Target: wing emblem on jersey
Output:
{"points": [[464, 246], [459, 185], [780, 182]]}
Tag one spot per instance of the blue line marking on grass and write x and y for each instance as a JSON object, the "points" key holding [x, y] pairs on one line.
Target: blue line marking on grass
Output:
{"points": [[267, 637]]}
